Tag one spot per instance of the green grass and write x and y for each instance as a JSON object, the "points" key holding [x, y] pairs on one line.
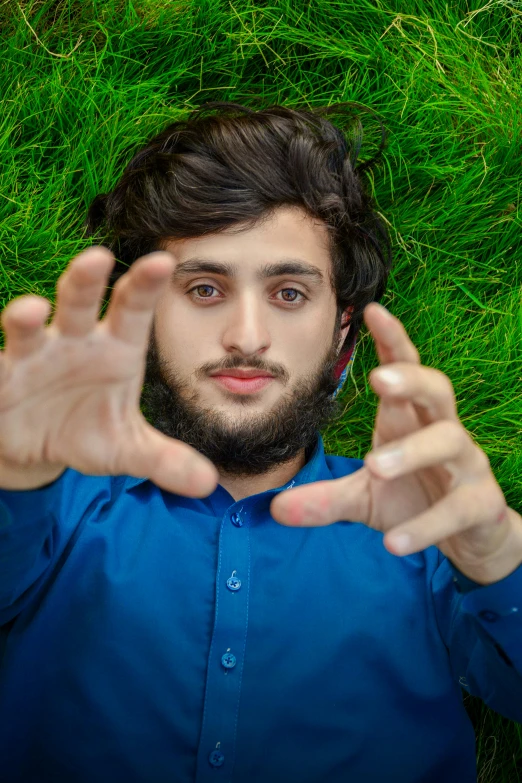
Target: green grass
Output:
{"points": [[84, 83]]}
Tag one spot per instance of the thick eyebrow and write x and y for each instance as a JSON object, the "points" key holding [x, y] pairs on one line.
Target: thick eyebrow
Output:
{"points": [[287, 266]]}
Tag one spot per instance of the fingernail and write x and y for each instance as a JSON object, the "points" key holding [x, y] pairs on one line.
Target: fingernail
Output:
{"points": [[385, 310], [388, 460], [389, 376]]}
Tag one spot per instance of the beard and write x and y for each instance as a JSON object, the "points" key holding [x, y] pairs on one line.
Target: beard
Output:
{"points": [[242, 447]]}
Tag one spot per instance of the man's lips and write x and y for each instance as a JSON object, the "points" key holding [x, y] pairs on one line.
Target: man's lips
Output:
{"points": [[243, 382], [243, 373]]}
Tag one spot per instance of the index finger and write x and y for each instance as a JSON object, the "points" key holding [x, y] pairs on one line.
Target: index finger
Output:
{"points": [[130, 313], [392, 341]]}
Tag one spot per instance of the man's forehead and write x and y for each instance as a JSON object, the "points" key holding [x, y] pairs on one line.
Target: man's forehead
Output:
{"points": [[287, 235]]}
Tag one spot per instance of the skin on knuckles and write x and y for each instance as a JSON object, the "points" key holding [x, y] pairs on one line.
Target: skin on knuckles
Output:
{"points": [[465, 515], [426, 387], [444, 442]]}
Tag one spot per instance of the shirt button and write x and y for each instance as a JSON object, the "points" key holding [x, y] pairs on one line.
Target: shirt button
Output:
{"points": [[216, 758], [228, 660], [490, 617], [236, 520], [233, 583]]}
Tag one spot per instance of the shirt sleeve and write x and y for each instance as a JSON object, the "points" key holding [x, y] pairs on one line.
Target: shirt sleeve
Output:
{"points": [[481, 626], [30, 534]]}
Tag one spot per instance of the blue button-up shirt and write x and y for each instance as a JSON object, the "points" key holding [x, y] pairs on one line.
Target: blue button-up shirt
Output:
{"points": [[152, 638]]}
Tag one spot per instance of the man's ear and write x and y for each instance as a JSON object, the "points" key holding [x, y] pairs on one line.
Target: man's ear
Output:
{"points": [[345, 326]]}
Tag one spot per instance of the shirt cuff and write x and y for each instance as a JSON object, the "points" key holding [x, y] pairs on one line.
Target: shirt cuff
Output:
{"points": [[497, 608]]}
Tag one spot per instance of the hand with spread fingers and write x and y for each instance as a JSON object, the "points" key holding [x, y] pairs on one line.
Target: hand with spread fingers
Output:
{"points": [[425, 482]]}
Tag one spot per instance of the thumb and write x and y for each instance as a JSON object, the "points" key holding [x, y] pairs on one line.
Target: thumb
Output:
{"points": [[169, 463], [324, 502]]}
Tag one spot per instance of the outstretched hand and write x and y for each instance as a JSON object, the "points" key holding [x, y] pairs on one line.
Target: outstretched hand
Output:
{"points": [[435, 487]]}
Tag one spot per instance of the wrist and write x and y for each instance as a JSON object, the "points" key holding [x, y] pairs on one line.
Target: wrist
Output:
{"points": [[505, 561], [15, 478]]}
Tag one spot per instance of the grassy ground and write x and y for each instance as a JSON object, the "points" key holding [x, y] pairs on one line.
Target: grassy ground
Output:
{"points": [[83, 83]]}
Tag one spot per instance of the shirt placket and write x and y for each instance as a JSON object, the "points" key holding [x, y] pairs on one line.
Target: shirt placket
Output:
{"points": [[216, 749]]}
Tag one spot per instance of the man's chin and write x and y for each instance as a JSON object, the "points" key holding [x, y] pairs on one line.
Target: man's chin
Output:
{"points": [[239, 407], [219, 398], [244, 435], [241, 443]]}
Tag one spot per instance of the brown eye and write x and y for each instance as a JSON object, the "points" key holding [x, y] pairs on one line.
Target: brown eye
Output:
{"points": [[202, 292], [205, 288], [290, 295]]}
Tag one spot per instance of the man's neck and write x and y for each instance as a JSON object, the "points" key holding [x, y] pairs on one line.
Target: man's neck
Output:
{"points": [[243, 487]]}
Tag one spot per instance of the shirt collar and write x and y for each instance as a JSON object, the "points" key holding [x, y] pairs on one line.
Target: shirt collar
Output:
{"points": [[315, 469]]}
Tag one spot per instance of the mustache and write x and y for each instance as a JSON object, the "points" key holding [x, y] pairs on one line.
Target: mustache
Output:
{"points": [[238, 362]]}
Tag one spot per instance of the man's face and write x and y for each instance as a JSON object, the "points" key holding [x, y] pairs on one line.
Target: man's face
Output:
{"points": [[260, 300]]}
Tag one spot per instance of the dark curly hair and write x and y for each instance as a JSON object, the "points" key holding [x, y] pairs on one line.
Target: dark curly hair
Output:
{"points": [[227, 164]]}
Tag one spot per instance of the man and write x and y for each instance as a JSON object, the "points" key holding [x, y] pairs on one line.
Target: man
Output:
{"points": [[240, 636]]}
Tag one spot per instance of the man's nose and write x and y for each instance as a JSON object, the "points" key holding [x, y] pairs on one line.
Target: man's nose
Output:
{"points": [[246, 329]]}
